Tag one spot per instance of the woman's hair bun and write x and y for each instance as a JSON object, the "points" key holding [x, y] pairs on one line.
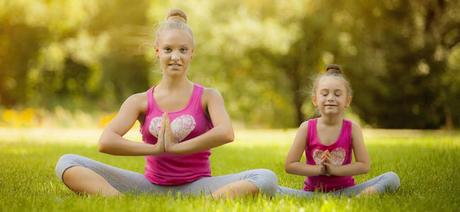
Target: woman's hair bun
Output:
{"points": [[333, 69], [177, 15]]}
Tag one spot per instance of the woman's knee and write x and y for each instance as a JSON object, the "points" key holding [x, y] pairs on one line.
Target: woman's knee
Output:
{"points": [[267, 181], [65, 162], [393, 181]]}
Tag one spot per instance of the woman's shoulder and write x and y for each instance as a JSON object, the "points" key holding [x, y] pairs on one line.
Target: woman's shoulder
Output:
{"points": [[137, 100], [210, 93], [142, 96]]}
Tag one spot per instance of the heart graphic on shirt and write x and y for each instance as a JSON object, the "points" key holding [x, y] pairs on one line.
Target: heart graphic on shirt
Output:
{"points": [[337, 156], [181, 127]]}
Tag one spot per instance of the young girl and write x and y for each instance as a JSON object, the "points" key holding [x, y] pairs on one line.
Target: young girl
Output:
{"points": [[180, 122], [328, 142]]}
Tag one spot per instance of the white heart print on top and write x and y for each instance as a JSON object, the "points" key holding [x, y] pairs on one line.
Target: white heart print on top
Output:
{"points": [[337, 156], [181, 127]]}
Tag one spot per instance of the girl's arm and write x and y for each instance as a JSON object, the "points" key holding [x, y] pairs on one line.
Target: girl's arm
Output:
{"points": [[220, 134], [362, 161], [293, 164], [112, 141]]}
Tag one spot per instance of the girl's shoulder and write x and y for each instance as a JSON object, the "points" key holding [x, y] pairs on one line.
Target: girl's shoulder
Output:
{"points": [[352, 123], [304, 125], [355, 127]]}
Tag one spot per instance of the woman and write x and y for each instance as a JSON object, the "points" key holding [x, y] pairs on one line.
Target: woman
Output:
{"points": [[180, 122]]}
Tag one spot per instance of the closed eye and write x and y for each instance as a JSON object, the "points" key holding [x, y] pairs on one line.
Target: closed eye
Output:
{"points": [[183, 50]]}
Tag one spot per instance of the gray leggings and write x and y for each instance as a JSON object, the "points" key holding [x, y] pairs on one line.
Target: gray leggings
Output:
{"points": [[126, 181], [388, 182]]}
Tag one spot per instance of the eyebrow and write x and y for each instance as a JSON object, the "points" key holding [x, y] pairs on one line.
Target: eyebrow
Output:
{"points": [[181, 45]]}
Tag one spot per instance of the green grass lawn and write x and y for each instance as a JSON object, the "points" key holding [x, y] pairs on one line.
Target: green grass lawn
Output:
{"points": [[426, 162]]}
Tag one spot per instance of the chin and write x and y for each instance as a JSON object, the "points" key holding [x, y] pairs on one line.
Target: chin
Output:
{"points": [[175, 70]]}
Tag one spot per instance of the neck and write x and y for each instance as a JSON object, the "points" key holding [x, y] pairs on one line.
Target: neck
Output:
{"points": [[169, 83], [330, 120]]}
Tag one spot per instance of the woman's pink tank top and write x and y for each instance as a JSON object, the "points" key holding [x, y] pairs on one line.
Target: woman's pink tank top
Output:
{"points": [[341, 154], [170, 169]]}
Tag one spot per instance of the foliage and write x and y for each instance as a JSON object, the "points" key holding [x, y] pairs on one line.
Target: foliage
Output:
{"points": [[402, 57]]}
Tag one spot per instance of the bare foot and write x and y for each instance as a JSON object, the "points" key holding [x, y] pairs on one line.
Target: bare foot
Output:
{"points": [[369, 191]]}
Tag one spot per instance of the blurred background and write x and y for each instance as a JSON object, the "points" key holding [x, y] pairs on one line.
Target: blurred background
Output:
{"points": [[68, 63]]}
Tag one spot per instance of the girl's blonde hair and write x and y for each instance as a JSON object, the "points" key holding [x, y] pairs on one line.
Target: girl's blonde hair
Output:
{"points": [[176, 19], [332, 70]]}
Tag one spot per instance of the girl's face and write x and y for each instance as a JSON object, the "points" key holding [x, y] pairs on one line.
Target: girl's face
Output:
{"points": [[174, 51], [331, 96]]}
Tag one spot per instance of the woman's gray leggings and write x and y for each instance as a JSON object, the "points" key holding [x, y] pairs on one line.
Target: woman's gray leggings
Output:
{"points": [[388, 182], [126, 181]]}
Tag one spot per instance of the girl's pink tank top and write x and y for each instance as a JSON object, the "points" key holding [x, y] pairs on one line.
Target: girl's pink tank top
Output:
{"points": [[191, 121], [340, 154]]}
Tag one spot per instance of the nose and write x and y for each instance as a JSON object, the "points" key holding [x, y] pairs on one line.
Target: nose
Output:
{"points": [[174, 56]]}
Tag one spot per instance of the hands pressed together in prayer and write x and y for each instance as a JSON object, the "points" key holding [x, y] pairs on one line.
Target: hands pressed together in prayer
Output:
{"points": [[166, 139], [326, 165]]}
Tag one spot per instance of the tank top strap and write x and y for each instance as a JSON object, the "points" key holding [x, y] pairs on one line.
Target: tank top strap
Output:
{"points": [[196, 96], [347, 128], [150, 103], [311, 133]]}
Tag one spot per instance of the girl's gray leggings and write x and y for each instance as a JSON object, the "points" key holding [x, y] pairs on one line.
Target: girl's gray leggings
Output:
{"points": [[126, 181], [387, 182]]}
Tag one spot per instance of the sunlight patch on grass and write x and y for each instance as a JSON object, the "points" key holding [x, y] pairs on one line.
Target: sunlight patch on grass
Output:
{"points": [[243, 137]]}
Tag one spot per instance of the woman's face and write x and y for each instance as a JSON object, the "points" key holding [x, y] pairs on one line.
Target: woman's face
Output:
{"points": [[174, 51]]}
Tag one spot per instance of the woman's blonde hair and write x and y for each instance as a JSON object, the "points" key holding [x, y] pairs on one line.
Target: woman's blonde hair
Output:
{"points": [[176, 19]]}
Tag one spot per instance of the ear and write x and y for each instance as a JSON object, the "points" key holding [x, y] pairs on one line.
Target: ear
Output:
{"points": [[349, 98], [157, 52], [313, 100]]}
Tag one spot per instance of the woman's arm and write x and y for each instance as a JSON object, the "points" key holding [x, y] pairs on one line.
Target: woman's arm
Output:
{"points": [[220, 134], [362, 161], [112, 141], [293, 164]]}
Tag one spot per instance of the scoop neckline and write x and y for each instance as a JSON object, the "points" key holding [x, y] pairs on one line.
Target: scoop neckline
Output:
{"points": [[154, 101], [342, 129]]}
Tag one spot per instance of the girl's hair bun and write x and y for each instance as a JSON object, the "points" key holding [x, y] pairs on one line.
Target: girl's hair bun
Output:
{"points": [[177, 15], [333, 69]]}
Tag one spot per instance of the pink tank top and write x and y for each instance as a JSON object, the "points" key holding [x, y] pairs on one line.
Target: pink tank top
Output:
{"points": [[340, 154], [170, 169]]}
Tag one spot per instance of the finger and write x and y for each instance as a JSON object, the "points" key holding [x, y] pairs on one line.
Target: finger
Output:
{"points": [[162, 123], [167, 124], [322, 161], [165, 117], [161, 133]]}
